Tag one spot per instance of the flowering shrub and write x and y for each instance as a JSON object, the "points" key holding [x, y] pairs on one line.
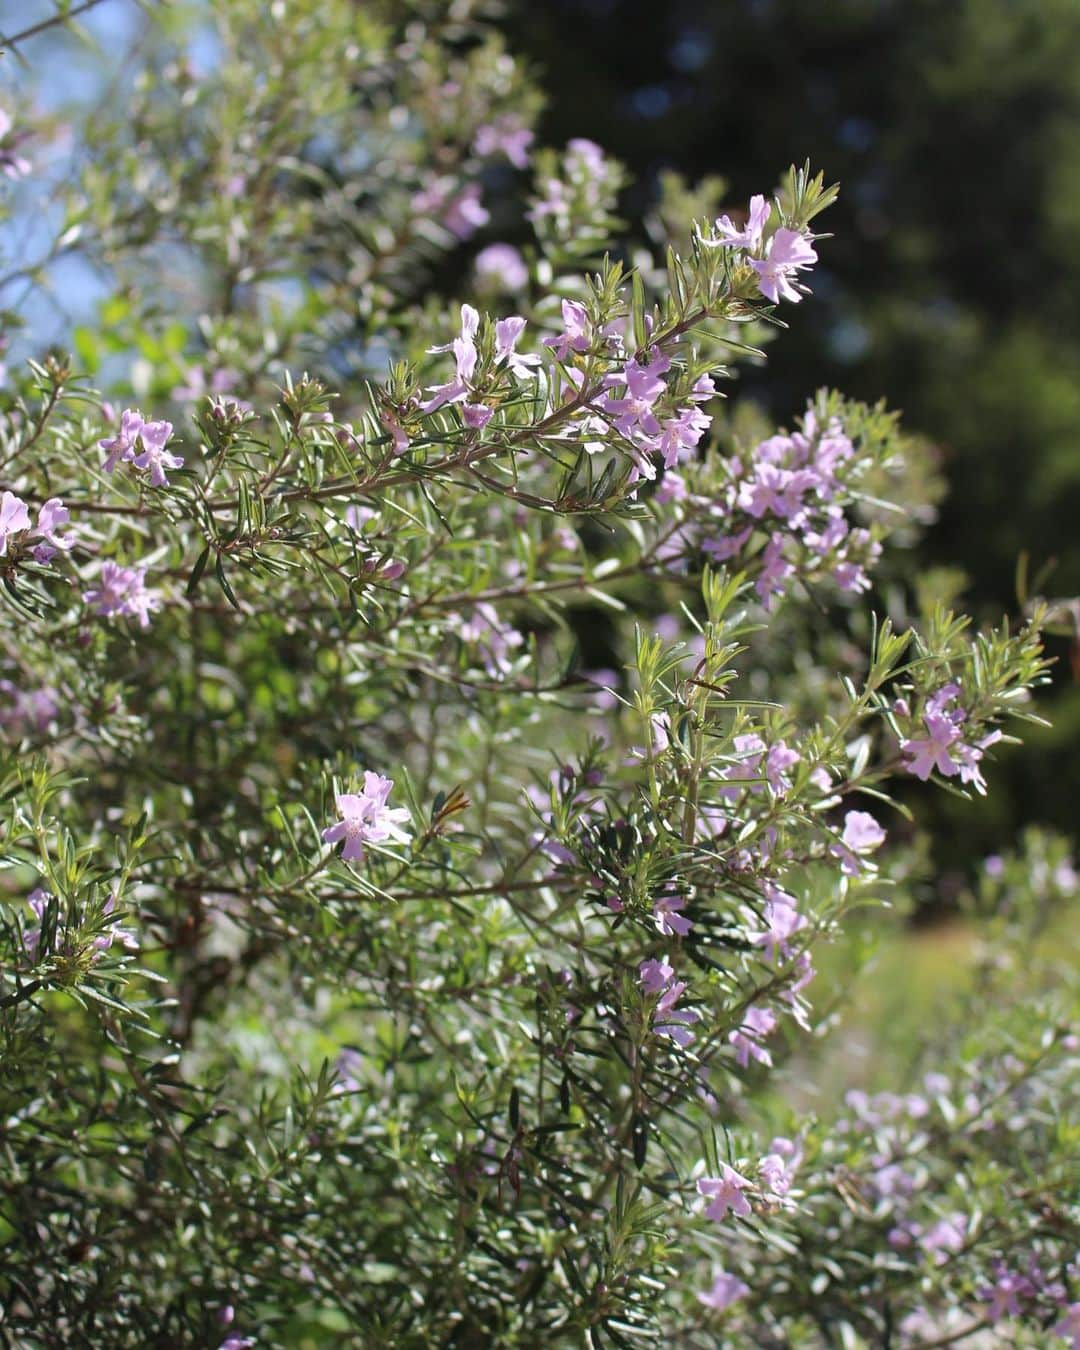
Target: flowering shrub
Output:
{"points": [[373, 964]]}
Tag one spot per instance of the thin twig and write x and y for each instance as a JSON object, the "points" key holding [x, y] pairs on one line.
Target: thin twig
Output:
{"points": [[61, 17]]}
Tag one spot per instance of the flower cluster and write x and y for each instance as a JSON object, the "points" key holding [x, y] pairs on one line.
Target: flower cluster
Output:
{"points": [[494, 641], [39, 901], [122, 592], [775, 256], [726, 1193], [367, 818], [462, 388], [657, 978], [632, 410], [16, 528], [943, 748], [506, 135], [793, 489], [142, 444], [584, 185], [27, 711]]}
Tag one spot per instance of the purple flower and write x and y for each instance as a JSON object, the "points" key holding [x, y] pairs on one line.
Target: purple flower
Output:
{"points": [[507, 333], [862, 835], [668, 917], [671, 488], [465, 213], [465, 356], [1069, 1326], [942, 749], [38, 899], [821, 778], [348, 1065], [780, 758], [926, 754], [653, 975], [14, 518], [575, 334], [154, 457], [1002, 1298], [726, 1290], [496, 640], [947, 1235], [939, 701], [782, 922], [585, 157], [774, 571], [633, 413], [51, 517], [196, 386], [804, 975], [764, 491], [476, 415], [750, 236], [356, 516], [398, 438], [366, 818], [28, 710], [121, 447], [679, 435], [124, 447], [114, 933], [672, 1022], [503, 266], [786, 253], [720, 549], [851, 576], [122, 591], [750, 748], [725, 1193], [508, 135], [747, 1039], [968, 757], [787, 1148], [776, 1175], [829, 537]]}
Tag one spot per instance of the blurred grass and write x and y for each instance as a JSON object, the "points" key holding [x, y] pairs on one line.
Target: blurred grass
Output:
{"points": [[925, 985]]}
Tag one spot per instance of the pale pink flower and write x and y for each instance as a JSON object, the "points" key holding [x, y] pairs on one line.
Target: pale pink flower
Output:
{"points": [[787, 252], [14, 518], [366, 818], [507, 333], [653, 975], [725, 1193], [668, 917], [726, 1290], [747, 1038], [750, 236], [862, 835]]}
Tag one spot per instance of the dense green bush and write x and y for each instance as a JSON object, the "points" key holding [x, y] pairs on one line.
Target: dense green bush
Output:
{"points": [[375, 970]]}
